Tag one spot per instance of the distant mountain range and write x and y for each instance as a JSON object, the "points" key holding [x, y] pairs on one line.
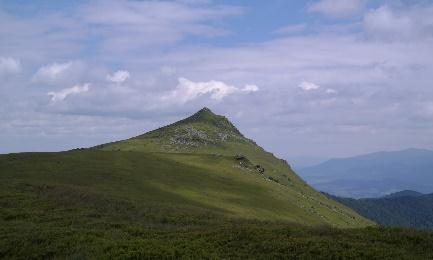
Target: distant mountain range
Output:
{"points": [[406, 208], [373, 175], [403, 193]]}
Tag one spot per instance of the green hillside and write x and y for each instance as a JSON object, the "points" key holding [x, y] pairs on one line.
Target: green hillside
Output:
{"points": [[194, 189], [256, 183]]}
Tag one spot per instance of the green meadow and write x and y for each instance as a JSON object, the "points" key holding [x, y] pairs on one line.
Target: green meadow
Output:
{"points": [[194, 189]]}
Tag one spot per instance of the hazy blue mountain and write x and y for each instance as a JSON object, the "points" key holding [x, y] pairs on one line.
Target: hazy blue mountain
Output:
{"points": [[373, 175], [299, 162], [403, 193], [406, 208]]}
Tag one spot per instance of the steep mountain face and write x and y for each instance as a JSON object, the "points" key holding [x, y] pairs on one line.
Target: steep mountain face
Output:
{"points": [[373, 175], [206, 136], [406, 208]]}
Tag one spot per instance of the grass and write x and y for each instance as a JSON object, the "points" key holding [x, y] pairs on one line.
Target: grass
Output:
{"points": [[191, 140], [101, 204], [44, 222], [212, 182], [148, 197]]}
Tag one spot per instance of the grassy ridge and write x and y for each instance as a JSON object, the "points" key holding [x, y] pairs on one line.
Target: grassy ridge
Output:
{"points": [[212, 182]]}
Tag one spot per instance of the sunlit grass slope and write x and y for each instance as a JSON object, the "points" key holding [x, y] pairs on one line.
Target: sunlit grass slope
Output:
{"points": [[208, 182], [195, 189], [212, 144], [92, 204]]}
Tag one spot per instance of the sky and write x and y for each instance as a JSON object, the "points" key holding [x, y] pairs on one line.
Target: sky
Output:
{"points": [[305, 79]]}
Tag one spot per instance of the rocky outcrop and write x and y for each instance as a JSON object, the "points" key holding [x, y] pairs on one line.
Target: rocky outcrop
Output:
{"points": [[193, 137], [243, 161], [260, 169]]}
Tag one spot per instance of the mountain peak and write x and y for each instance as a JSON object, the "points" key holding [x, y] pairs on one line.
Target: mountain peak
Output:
{"points": [[200, 129], [203, 114], [204, 110], [207, 117]]}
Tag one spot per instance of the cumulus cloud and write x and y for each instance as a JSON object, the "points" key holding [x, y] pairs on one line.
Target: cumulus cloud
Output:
{"points": [[119, 76], [338, 8], [51, 72], [64, 93], [308, 86], [187, 90], [9, 65]]}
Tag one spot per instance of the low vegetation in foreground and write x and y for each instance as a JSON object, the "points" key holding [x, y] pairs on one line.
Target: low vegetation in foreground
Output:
{"points": [[44, 221], [79, 205], [194, 189]]}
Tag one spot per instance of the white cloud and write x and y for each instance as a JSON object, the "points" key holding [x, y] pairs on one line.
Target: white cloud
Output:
{"points": [[338, 8], [9, 65], [375, 80], [392, 24], [188, 90], [250, 88], [139, 24], [64, 93], [119, 76], [331, 91], [384, 23], [307, 86], [51, 72]]}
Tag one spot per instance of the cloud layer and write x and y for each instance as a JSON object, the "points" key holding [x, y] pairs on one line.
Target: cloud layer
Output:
{"points": [[338, 8], [342, 77], [389, 24]]}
